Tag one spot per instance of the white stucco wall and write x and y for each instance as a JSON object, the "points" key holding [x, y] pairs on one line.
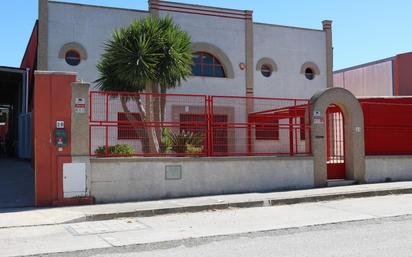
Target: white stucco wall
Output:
{"points": [[368, 80], [130, 179], [90, 26], [396, 168], [227, 34], [289, 48]]}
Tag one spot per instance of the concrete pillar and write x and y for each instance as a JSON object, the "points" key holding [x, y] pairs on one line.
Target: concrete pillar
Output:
{"points": [[43, 16], [80, 127], [249, 52], [327, 27], [80, 119], [51, 103], [249, 65], [354, 133]]}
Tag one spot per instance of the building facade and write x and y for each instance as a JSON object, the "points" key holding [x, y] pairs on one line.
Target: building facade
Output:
{"points": [[386, 77], [253, 59]]}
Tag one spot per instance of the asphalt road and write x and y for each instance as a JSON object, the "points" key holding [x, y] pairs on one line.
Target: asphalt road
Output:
{"points": [[377, 237]]}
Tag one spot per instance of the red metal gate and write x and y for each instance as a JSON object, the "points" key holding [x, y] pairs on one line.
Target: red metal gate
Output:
{"points": [[335, 138]]}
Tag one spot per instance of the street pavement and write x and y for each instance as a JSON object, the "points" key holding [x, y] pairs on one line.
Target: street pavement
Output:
{"points": [[46, 216], [388, 237], [116, 237]]}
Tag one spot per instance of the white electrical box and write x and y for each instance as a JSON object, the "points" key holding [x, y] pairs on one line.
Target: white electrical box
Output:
{"points": [[74, 180]]}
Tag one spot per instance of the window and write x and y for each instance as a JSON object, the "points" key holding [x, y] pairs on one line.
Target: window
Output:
{"points": [[207, 65], [309, 74], [266, 70], [129, 131], [267, 129], [197, 123], [72, 57]]}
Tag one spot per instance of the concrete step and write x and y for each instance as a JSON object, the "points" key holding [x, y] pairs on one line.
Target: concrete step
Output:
{"points": [[340, 182]]}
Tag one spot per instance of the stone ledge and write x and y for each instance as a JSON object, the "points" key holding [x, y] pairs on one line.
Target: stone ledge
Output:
{"points": [[196, 159]]}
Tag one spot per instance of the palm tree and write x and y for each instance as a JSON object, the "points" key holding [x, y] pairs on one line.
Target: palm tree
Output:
{"points": [[151, 55]]}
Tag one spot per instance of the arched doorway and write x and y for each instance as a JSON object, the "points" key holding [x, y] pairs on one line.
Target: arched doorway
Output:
{"points": [[337, 136], [335, 143]]}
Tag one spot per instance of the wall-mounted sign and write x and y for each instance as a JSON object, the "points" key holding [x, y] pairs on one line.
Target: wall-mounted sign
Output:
{"points": [[59, 124], [317, 118], [80, 105]]}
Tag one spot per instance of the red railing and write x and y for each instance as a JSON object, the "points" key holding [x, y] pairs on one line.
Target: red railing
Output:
{"points": [[148, 124]]}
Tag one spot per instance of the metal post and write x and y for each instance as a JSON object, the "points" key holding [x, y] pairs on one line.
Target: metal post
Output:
{"points": [[107, 128]]}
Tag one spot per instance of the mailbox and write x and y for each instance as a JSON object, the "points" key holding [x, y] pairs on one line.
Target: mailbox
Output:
{"points": [[60, 137]]}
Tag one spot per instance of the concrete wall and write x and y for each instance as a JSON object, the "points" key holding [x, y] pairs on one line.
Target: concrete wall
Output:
{"points": [[374, 79], [128, 179], [89, 26], [228, 35], [396, 167], [289, 48]]}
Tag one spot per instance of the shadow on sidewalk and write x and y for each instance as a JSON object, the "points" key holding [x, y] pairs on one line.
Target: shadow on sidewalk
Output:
{"points": [[16, 184]]}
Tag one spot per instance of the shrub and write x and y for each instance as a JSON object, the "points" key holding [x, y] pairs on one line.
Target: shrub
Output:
{"points": [[191, 149], [167, 144], [119, 149], [179, 142]]}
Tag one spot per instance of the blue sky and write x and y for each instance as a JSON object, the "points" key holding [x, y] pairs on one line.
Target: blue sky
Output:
{"points": [[363, 30]]}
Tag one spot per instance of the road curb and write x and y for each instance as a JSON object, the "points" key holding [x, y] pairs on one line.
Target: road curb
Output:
{"points": [[244, 204]]}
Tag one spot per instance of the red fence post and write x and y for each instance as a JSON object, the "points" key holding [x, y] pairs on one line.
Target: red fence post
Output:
{"points": [[90, 120], [210, 125], [291, 136], [107, 128]]}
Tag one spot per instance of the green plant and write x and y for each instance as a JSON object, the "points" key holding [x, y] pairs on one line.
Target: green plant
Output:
{"points": [[119, 149], [180, 141], [167, 144], [151, 54], [191, 149]]}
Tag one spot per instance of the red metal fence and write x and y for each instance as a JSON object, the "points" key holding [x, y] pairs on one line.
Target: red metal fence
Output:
{"points": [[147, 124]]}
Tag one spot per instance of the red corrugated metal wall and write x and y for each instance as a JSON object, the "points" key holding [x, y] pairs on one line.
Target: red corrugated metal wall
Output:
{"points": [[402, 74], [388, 125]]}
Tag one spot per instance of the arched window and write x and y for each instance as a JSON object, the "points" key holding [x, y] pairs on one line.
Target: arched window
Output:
{"points": [[72, 57], [310, 70], [266, 70], [266, 66], [73, 53], [309, 74], [206, 65]]}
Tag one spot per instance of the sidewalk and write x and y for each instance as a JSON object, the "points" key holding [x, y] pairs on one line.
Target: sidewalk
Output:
{"points": [[48, 216]]}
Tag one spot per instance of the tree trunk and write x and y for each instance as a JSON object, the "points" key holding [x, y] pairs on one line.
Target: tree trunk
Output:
{"points": [[157, 114], [151, 116]]}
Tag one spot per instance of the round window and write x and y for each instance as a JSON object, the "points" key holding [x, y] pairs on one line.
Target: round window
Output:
{"points": [[72, 57], [309, 73], [266, 70]]}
